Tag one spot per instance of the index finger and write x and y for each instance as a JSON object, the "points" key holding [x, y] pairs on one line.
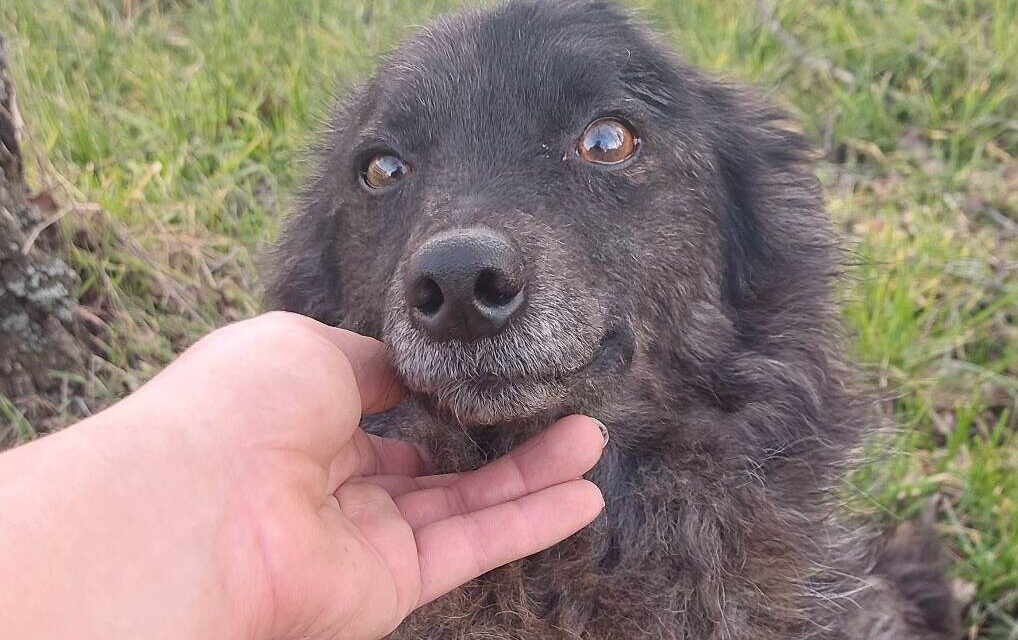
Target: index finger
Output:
{"points": [[370, 455]]}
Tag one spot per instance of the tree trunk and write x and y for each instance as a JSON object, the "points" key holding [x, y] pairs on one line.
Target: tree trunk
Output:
{"points": [[38, 336]]}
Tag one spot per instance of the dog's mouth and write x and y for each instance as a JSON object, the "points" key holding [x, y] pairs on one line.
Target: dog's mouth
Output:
{"points": [[471, 395]]}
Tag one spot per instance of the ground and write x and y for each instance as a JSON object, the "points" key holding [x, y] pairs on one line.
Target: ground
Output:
{"points": [[165, 138]]}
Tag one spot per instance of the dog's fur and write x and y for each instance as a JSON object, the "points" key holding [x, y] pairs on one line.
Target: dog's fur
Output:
{"points": [[684, 298]]}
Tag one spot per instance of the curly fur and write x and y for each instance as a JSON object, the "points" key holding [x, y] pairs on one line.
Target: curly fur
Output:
{"points": [[684, 299]]}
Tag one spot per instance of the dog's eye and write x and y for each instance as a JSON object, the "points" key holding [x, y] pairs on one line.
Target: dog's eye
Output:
{"points": [[607, 141], [384, 171]]}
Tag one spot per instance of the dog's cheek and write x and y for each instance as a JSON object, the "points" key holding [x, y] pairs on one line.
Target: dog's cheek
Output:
{"points": [[371, 245], [680, 263]]}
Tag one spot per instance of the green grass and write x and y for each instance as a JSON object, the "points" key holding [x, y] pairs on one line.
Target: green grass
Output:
{"points": [[176, 128]]}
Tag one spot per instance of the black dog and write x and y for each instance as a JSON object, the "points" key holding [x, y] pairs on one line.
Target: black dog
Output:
{"points": [[542, 212]]}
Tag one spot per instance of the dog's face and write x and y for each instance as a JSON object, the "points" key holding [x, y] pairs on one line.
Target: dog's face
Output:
{"points": [[523, 202]]}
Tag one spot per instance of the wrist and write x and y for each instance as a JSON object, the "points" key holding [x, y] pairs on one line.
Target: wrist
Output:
{"points": [[120, 526]]}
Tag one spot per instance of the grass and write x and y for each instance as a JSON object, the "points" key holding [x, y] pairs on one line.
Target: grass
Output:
{"points": [[173, 130]]}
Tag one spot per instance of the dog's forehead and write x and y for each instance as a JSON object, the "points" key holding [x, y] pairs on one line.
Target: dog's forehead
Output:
{"points": [[525, 67]]}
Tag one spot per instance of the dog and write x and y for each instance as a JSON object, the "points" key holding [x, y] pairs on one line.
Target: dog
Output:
{"points": [[542, 211]]}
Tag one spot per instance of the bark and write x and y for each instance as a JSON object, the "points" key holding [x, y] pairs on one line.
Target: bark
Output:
{"points": [[38, 336]]}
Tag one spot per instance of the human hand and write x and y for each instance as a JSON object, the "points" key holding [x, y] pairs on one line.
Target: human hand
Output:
{"points": [[234, 496]]}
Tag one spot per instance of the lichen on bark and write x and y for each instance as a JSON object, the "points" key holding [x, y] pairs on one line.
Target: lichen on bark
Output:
{"points": [[39, 342]]}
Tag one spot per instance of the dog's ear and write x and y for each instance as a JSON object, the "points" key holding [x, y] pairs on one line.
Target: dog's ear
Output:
{"points": [[300, 270], [774, 227]]}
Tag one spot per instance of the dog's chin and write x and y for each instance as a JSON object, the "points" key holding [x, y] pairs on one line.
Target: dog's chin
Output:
{"points": [[489, 402], [481, 400]]}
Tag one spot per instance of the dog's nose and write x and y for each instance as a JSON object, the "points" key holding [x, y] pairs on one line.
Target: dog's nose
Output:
{"points": [[464, 284]]}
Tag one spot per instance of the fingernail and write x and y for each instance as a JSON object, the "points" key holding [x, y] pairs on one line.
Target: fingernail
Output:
{"points": [[604, 431]]}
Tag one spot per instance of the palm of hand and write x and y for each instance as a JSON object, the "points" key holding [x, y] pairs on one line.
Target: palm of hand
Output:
{"points": [[341, 533]]}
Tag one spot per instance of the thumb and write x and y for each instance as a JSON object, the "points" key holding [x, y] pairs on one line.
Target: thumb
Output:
{"points": [[377, 382]]}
